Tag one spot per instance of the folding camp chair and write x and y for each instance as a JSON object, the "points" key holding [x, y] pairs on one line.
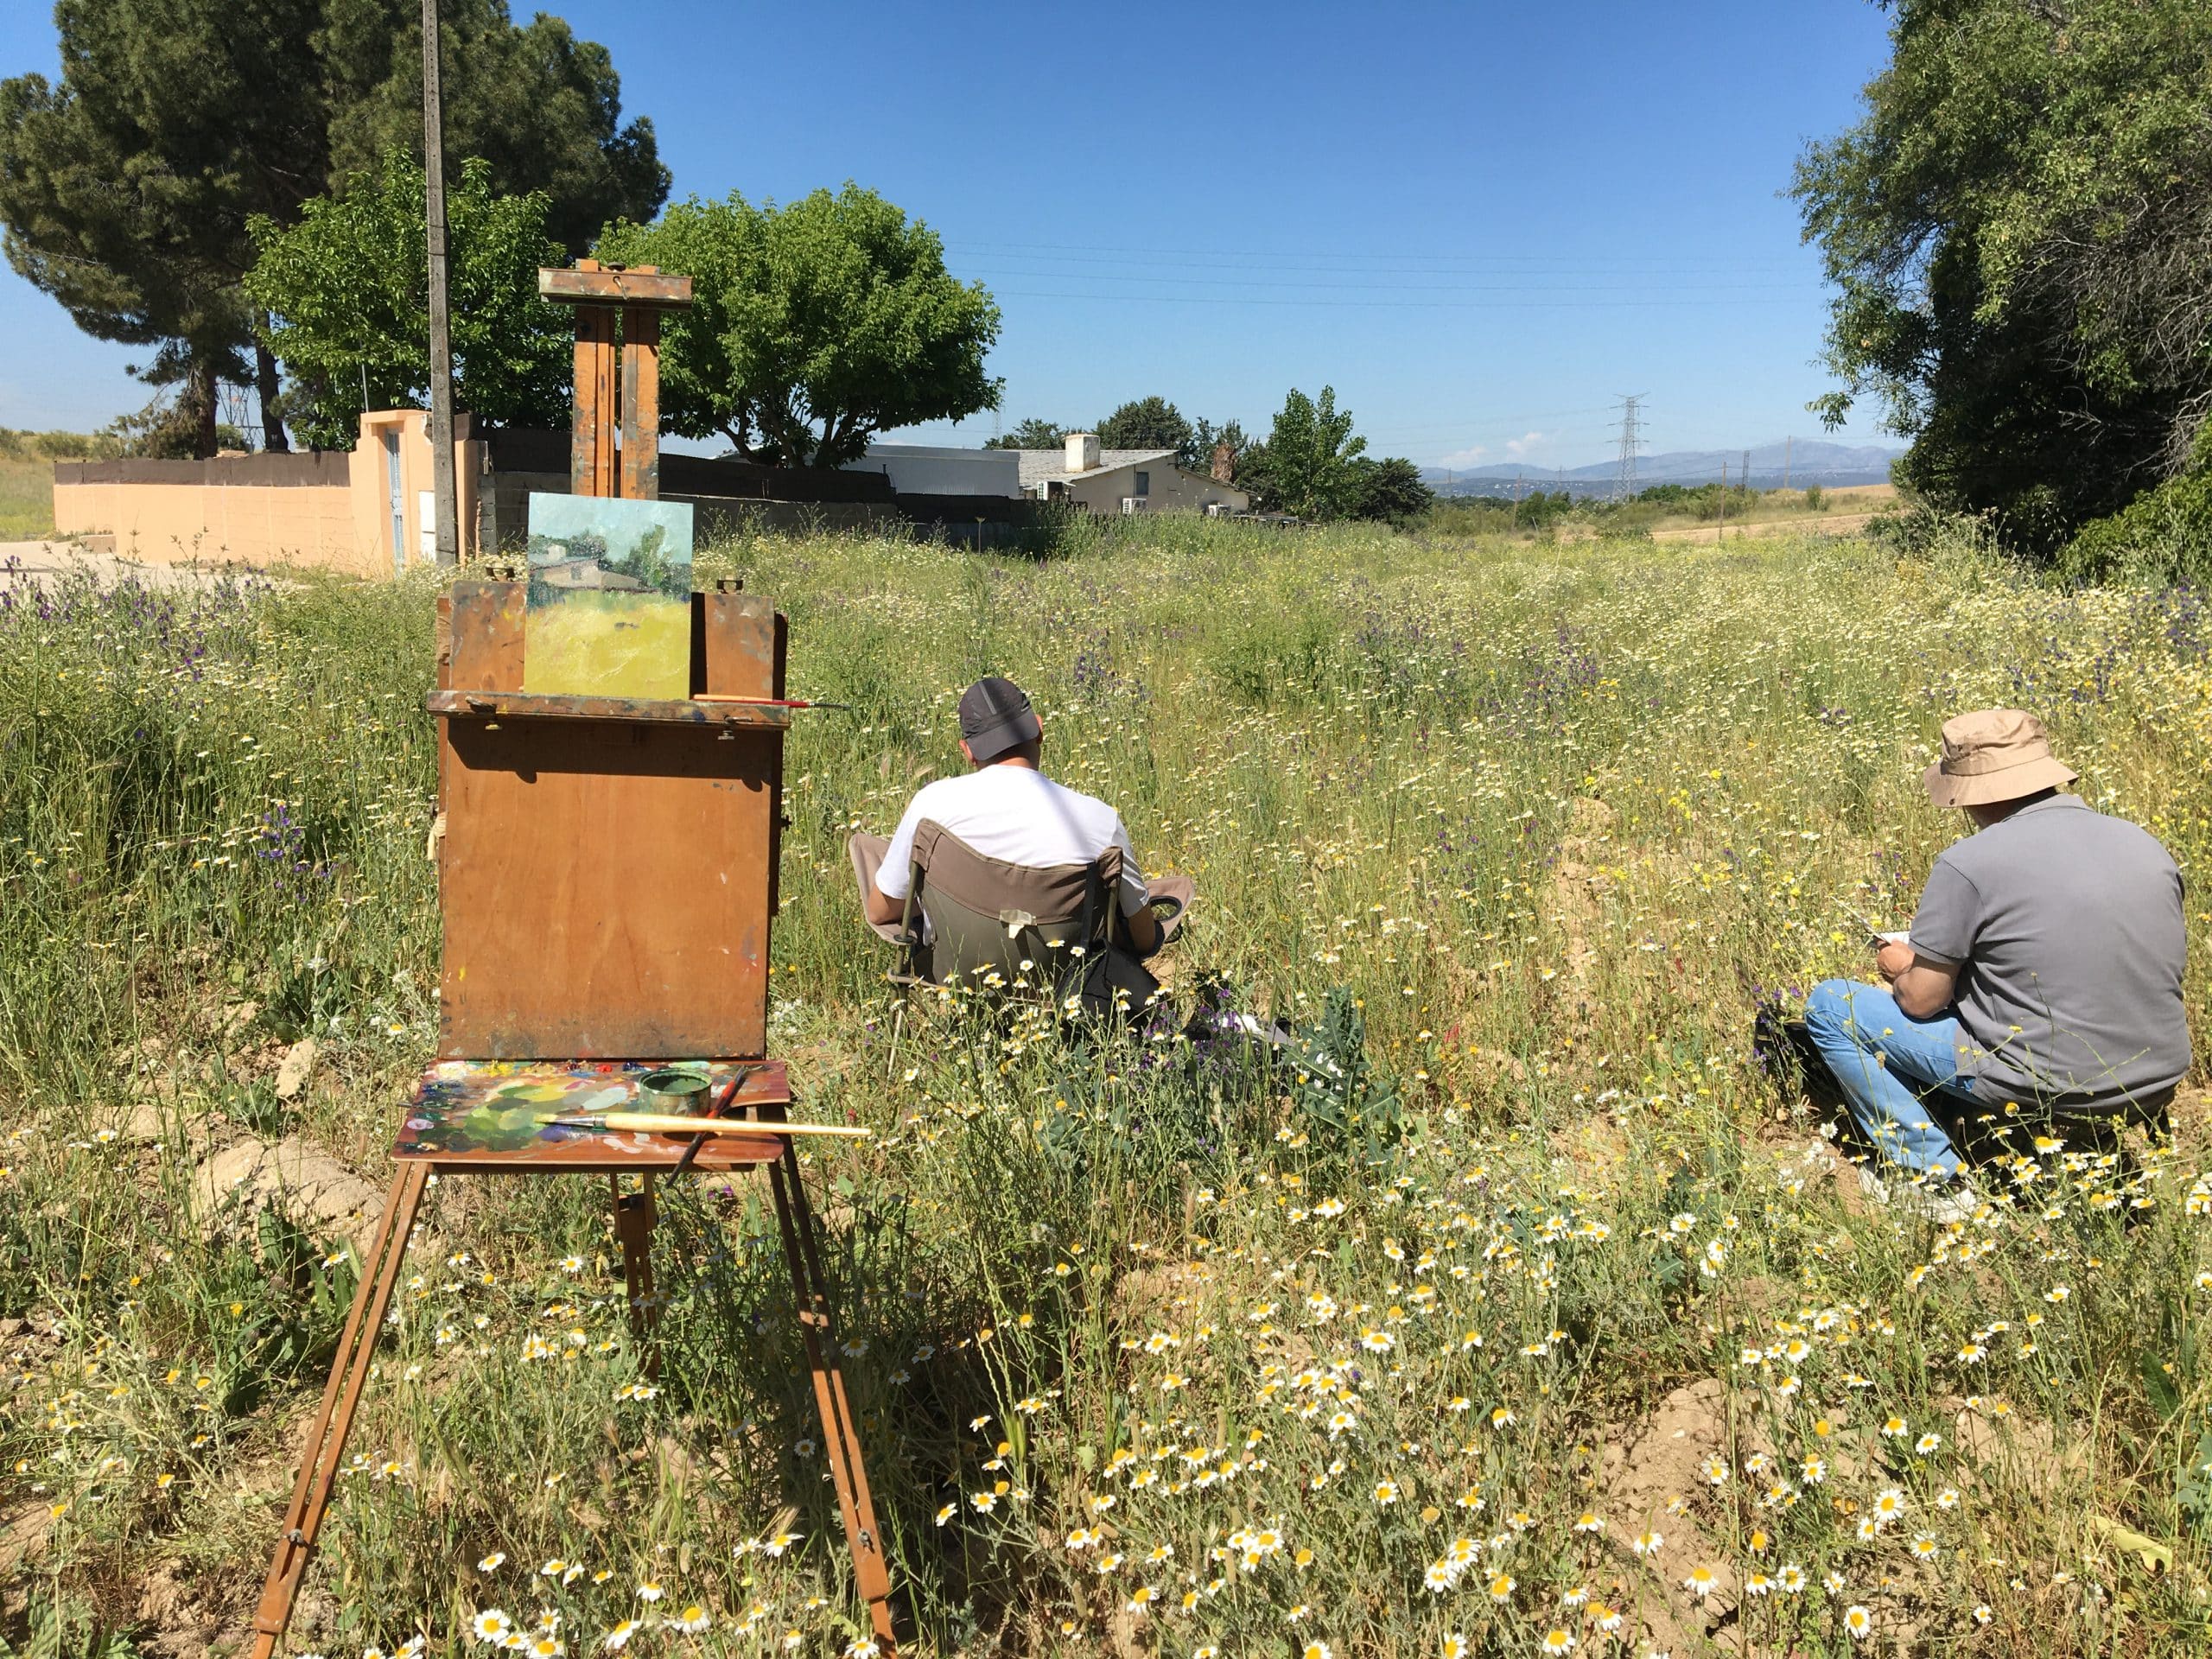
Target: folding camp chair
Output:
{"points": [[1021, 933]]}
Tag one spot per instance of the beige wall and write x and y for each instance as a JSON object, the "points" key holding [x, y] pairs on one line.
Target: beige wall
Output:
{"points": [[347, 530], [1173, 490], [176, 523]]}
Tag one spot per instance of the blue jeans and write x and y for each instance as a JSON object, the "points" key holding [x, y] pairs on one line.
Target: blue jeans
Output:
{"points": [[1884, 1061]]}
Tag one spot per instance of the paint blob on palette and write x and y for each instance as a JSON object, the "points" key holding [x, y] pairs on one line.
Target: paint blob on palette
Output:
{"points": [[610, 597], [492, 1113]]}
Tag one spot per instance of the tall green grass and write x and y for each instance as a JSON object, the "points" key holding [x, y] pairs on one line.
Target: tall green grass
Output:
{"points": [[26, 499], [1516, 837]]}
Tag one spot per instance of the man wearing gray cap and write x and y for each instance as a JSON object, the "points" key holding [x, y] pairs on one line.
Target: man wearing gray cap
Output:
{"points": [[2041, 976], [1008, 810]]}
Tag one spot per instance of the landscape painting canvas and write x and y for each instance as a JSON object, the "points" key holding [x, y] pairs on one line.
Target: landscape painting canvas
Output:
{"points": [[610, 597]]}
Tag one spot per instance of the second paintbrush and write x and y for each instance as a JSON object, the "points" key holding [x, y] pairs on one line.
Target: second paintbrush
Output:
{"points": [[670, 1123]]}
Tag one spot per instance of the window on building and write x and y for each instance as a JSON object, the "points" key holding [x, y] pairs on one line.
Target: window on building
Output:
{"points": [[1144, 484]]}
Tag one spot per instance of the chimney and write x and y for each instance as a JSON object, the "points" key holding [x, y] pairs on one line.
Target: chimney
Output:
{"points": [[1083, 452]]}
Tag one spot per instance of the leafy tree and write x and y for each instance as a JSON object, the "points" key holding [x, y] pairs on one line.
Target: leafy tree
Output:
{"points": [[1391, 489], [2021, 237], [127, 187], [1144, 424], [1206, 437], [542, 107], [1305, 467], [813, 325], [347, 291], [1032, 434]]}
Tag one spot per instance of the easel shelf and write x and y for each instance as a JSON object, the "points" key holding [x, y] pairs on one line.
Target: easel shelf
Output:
{"points": [[526, 705]]}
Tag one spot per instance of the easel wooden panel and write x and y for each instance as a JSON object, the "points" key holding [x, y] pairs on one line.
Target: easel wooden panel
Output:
{"points": [[607, 885], [607, 876]]}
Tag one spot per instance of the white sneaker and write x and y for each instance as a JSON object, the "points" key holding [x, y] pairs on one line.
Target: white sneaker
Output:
{"points": [[1955, 1201]]}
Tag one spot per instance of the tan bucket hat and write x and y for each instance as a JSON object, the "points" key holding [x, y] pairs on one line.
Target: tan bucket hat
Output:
{"points": [[1992, 755]]}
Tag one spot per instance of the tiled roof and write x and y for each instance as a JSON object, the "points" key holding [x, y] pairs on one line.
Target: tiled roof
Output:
{"points": [[1043, 466]]}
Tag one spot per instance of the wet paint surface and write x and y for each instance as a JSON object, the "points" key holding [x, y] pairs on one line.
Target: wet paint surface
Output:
{"points": [[496, 1112]]}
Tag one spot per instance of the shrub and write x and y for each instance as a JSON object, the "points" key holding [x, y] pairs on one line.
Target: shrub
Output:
{"points": [[2163, 537]]}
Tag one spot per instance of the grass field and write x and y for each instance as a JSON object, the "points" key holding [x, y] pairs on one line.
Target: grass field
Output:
{"points": [[1553, 1325], [26, 499]]}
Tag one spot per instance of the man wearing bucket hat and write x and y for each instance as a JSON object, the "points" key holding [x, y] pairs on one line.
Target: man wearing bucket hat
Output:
{"points": [[2042, 975], [1006, 808]]}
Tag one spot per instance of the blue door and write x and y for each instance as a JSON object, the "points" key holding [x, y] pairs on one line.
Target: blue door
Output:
{"points": [[398, 500]]}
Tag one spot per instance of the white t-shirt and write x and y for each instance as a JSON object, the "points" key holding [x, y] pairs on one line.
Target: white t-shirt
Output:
{"points": [[1020, 816]]}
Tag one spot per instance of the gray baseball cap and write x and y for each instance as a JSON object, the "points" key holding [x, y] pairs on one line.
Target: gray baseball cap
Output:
{"points": [[996, 716]]}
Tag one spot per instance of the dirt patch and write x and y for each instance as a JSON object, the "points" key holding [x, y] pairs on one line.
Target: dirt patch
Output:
{"points": [[182, 1623], [2015, 1453], [312, 1186], [1652, 1474], [23, 1536], [1826, 523], [1155, 1293]]}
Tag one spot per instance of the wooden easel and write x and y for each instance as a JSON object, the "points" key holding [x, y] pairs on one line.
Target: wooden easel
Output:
{"points": [[607, 879]]}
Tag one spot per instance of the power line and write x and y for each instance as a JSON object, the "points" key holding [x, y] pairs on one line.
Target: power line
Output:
{"points": [[1389, 305], [1607, 262], [1530, 286], [1624, 481]]}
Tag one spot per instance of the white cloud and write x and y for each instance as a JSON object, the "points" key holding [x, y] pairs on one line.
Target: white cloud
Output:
{"points": [[1466, 457], [1521, 446]]}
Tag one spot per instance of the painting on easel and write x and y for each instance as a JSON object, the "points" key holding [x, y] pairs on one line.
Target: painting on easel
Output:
{"points": [[610, 597]]}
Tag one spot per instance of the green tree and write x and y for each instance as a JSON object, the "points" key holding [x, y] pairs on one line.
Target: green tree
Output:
{"points": [[1206, 437], [126, 187], [542, 107], [1032, 434], [1391, 488], [1144, 424], [2020, 236], [1306, 465], [346, 290], [813, 325]]}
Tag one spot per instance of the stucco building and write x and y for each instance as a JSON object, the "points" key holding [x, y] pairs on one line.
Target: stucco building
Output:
{"points": [[1082, 474]]}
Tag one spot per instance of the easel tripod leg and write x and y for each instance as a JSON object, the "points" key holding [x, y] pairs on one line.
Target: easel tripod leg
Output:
{"points": [[634, 1216], [341, 1398], [846, 1470]]}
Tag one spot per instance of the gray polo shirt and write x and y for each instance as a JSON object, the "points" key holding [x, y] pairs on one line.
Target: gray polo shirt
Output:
{"points": [[2066, 926]]}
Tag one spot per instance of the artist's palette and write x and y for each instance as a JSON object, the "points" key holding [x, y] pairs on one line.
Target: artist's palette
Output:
{"points": [[493, 1113]]}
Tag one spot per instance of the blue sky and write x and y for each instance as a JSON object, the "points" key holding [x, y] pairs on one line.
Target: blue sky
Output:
{"points": [[1480, 223]]}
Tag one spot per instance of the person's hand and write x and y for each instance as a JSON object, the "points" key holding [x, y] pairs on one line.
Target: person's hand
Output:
{"points": [[1893, 959]]}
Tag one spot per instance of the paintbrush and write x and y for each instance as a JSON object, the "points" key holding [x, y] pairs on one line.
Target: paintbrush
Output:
{"points": [[669, 1123], [736, 1083], [766, 702]]}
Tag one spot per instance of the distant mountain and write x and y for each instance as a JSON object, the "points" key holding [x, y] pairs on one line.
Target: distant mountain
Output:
{"points": [[1808, 461]]}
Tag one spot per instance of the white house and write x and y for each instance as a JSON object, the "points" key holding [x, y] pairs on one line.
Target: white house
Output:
{"points": [[942, 469], [1122, 481]]}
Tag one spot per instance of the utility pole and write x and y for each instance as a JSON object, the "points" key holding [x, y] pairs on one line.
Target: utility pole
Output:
{"points": [[1721, 535], [1786, 443], [445, 504], [1624, 478]]}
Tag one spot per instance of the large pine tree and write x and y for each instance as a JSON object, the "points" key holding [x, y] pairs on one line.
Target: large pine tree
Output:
{"points": [[127, 185]]}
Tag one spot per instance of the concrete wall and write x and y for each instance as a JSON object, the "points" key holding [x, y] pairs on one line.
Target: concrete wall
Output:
{"points": [[943, 469], [332, 511], [1171, 490]]}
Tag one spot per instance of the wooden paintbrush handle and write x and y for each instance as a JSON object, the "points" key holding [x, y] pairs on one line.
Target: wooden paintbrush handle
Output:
{"points": [[669, 1123]]}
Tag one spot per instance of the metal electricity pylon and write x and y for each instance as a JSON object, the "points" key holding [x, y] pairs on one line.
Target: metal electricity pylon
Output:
{"points": [[1624, 480]]}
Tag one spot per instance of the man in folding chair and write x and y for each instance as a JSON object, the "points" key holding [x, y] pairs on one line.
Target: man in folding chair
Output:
{"points": [[1011, 822]]}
